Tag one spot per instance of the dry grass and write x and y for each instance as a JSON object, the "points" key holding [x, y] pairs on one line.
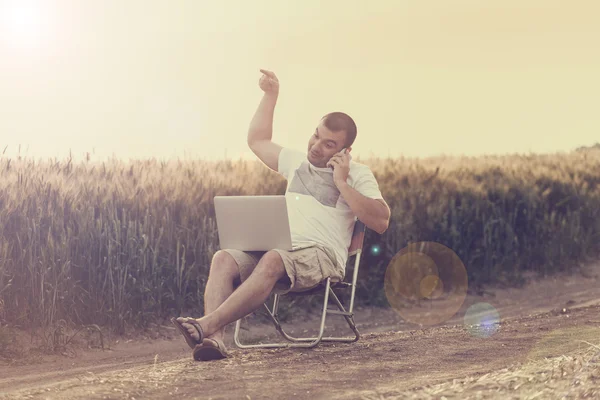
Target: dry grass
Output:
{"points": [[122, 244], [572, 376]]}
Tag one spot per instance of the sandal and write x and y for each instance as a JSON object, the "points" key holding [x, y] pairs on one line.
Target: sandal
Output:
{"points": [[188, 338], [209, 350]]}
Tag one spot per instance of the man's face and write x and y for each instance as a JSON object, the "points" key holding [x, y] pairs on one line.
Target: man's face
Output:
{"points": [[323, 144]]}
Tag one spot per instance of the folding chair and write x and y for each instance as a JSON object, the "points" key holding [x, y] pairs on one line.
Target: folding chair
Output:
{"points": [[355, 249]]}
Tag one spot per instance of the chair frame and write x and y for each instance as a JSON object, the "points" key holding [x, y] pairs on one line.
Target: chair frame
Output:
{"points": [[355, 249]]}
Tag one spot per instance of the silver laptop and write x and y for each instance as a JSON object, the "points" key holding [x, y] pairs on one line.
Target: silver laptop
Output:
{"points": [[253, 223]]}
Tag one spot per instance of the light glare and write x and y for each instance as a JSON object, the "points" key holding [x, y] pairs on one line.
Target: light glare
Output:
{"points": [[22, 23]]}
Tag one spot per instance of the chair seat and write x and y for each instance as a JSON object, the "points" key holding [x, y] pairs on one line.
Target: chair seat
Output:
{"points": [[319, 288], [325, 287]]}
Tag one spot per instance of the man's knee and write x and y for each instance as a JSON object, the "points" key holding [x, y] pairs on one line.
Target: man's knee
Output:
{"points": [[223, 262], [271, 265]]}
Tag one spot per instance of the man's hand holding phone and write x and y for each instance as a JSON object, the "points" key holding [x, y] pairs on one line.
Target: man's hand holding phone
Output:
{"points": [[340, 163]]}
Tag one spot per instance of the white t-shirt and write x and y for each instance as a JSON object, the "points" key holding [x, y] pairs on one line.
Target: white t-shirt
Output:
{"points": [[316, 210]]}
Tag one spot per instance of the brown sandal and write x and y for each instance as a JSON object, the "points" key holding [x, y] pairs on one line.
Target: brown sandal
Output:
{"points": [[188, 338], [209, 350]]}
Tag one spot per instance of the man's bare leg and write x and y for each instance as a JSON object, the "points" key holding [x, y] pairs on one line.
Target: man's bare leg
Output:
{"points": [[223, 272], [249, 296]]}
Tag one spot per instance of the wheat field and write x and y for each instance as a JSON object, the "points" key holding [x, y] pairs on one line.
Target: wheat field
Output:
{"points": [[118, 243]]}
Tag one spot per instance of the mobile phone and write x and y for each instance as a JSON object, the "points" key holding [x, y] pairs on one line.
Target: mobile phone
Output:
{"points": [[340, 152]]}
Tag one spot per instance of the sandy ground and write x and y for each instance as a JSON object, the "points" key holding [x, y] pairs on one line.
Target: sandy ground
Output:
{"points": [[548, 317]]}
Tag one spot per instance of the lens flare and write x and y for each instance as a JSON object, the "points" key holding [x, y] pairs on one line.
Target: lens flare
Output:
{"points": [[375, 250], [426, 283], [482, 320], [430, 286]]}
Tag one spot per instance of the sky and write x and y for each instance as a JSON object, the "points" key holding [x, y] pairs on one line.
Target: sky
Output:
{"points": [[179, 79]]}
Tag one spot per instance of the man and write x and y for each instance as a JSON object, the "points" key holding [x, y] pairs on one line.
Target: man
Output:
{"points": [[326, 191]]}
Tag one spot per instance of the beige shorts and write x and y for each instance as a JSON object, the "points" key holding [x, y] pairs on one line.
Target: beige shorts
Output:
{"points": [[306, 267]]}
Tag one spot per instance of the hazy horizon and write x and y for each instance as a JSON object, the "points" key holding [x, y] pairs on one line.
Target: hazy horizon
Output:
{"points": [[150, 79]]}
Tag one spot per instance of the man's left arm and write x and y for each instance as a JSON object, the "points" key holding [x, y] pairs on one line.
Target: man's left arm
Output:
{"points": [[374, 213]]}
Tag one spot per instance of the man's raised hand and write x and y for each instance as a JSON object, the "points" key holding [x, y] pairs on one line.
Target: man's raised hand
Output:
{"points": [[268, 82]]}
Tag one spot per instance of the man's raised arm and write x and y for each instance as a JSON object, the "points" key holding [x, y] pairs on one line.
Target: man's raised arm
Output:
{"points": [[261, 126]]}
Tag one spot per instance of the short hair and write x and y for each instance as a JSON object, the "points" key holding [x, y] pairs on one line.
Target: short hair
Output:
{"points": [[339, 121]]}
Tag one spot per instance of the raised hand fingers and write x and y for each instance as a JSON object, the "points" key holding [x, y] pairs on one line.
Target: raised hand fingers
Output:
{"points": [[270, 74], [268, 82]]}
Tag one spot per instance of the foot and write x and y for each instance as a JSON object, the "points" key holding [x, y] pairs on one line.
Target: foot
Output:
{"points": [[193, 332], [191, 329], [210, 349], [218, 341]]}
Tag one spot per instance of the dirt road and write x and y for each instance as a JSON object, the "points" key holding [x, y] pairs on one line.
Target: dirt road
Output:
{"points": [[547, 318]]}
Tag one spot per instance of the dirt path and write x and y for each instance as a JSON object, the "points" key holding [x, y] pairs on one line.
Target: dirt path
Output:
{"points": [[549, 317]]}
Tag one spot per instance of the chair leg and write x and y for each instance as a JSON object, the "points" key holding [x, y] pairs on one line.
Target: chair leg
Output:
{"points": [[349, 318], [304, 342]]}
